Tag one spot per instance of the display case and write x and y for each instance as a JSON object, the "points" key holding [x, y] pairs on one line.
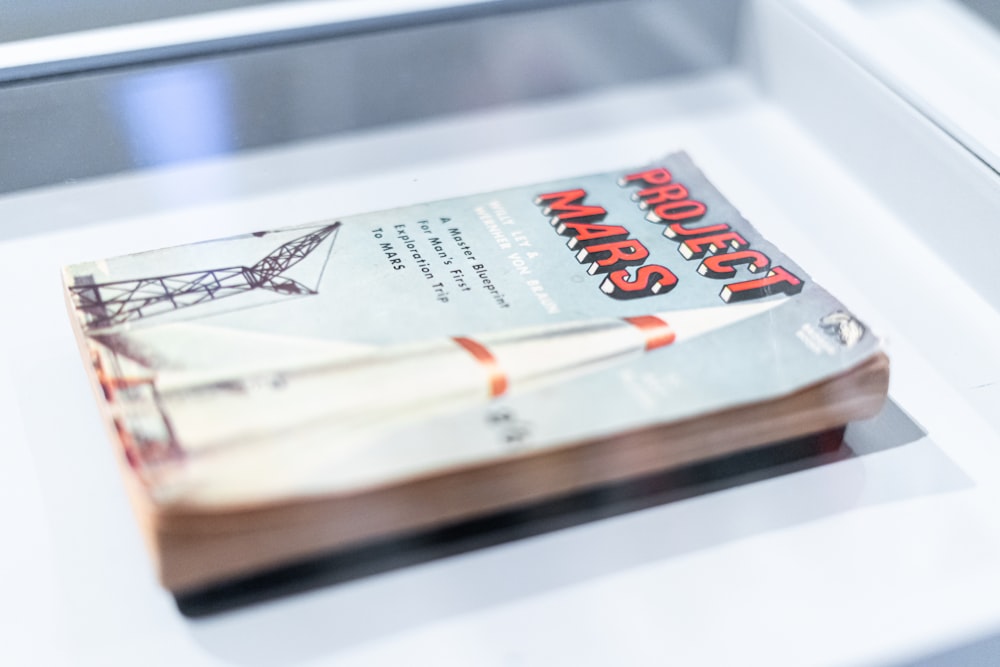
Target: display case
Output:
{"points": [[871, 164]]}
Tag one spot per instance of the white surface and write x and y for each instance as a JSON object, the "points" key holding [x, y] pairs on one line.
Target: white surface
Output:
{"points": [[887, 555], [936, 53]]}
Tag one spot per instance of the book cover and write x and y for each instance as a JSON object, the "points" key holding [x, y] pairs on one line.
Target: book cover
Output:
{"points": [[353, 353]]}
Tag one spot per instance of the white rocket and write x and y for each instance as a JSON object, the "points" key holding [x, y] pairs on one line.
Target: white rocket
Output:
{"points": [[208, 410]]}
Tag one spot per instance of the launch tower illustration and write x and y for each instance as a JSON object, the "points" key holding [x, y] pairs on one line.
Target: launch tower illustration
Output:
{"points": [[117, 302]]}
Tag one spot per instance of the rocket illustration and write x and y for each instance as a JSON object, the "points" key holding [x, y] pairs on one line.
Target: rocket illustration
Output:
{"points": [[207, 411]]}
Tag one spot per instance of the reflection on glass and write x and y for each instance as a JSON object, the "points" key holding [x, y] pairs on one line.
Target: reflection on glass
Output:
{"points": [[177, 114]]}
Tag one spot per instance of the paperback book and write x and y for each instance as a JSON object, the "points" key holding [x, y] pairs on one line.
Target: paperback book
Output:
{"points": [[305, 389]]}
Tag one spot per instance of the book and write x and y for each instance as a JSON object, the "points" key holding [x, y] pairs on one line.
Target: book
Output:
{"points": [[297, 391]]}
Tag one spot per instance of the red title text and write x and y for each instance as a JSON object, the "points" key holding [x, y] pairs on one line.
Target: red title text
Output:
{"points": [[610, 251]]}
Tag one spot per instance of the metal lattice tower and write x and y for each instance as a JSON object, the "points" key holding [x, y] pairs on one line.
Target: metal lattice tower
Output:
{"points": [[116, 302]]}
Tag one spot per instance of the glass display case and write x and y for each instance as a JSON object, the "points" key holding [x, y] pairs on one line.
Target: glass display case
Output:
{"points": [[869, 158]]}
